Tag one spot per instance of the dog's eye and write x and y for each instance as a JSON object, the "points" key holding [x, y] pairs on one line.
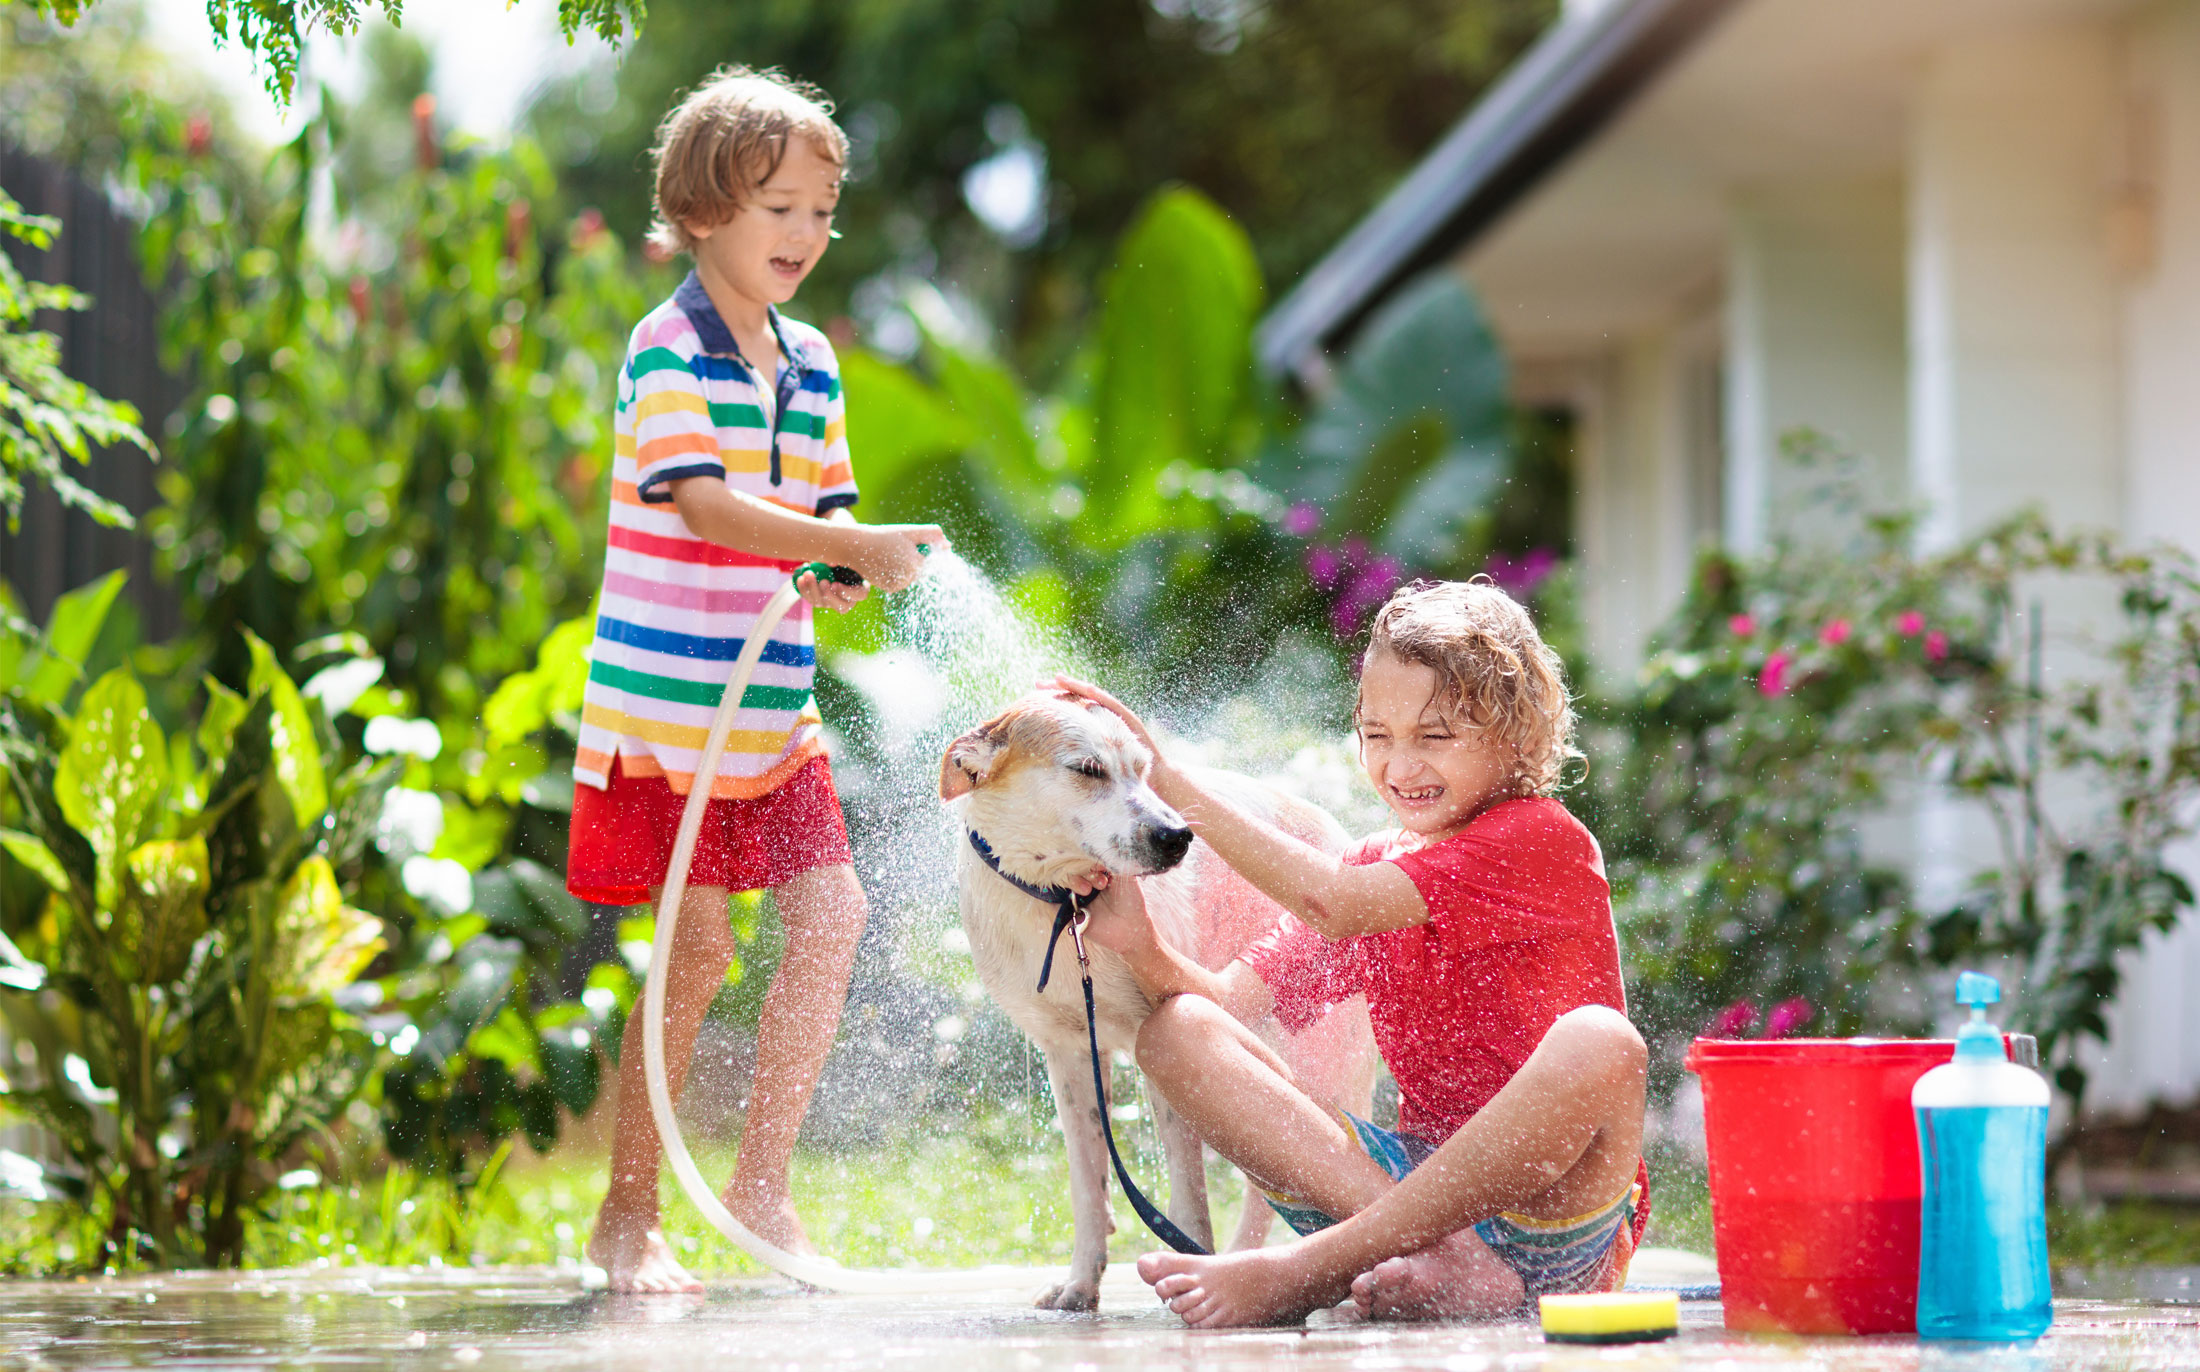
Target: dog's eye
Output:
{"points": [[1090, 767]]}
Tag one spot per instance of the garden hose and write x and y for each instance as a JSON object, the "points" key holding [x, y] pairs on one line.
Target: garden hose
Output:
{"points": [[815, 1271]]}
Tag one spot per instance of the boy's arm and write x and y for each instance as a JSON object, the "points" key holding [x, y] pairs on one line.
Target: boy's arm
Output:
{"points": [[1120, 923], [1332, 897], [884, 554]]}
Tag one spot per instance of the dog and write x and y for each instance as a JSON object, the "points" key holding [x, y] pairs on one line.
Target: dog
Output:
{"points": [[1056, 788]]}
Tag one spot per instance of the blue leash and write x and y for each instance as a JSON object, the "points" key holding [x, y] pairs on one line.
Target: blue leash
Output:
{"points": [[1069, 915]]}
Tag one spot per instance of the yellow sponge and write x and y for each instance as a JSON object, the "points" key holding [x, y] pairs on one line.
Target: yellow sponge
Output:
{"points": [[1611, 1317]]}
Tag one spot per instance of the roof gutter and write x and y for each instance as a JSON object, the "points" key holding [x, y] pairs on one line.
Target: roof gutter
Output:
{"points": [[1569, 85]]}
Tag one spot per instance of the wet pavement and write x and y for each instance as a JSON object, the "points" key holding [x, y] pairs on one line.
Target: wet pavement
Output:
{"points": [[541, 1321]]}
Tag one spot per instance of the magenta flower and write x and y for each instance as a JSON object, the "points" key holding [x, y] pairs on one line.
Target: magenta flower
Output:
{"points": [[1733, 1021], [1522, 575], [1741, 626], [1772, 680], [1787, 1017], [1301, 520], [1910, 625], [1835, 633], [1370, 586], [1325, 566], [1936, 646]]}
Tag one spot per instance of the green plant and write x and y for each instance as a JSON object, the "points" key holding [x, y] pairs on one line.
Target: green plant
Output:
{"points": [[1163, 498], [46, 416], [273, 32], [177, 988], [1795, 698]]}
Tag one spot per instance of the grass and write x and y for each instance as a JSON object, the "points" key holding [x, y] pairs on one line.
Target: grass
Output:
{"points": [[990, 1190]]}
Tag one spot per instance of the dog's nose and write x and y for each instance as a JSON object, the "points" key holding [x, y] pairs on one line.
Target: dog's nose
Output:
{"points": [[1170, 844]]}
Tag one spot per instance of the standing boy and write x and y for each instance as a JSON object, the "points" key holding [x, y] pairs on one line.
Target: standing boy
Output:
{"points": [[731, 468]]}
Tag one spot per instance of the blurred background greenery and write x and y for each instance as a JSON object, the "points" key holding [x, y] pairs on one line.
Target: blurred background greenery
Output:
{"points": [[381, 399]]}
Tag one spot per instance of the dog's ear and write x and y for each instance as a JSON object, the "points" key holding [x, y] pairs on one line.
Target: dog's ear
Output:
{"points": [[968, 759]]}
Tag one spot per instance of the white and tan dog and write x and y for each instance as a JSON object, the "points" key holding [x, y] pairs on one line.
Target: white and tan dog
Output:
{"points": [[1057, 789]]}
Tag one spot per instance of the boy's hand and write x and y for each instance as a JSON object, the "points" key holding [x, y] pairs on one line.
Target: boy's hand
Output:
{"points": [[1085, 690], [830, 595], [1120, 922], [887, 554]]}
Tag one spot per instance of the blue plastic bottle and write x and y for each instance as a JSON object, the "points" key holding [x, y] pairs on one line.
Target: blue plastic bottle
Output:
{"points": [[1982, 1141]]}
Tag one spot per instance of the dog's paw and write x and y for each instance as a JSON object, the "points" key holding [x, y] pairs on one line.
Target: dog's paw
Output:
{"points": [[1072, 1295]]}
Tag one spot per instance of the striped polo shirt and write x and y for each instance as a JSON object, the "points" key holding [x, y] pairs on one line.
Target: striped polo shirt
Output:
{"points": [[676, 609]]}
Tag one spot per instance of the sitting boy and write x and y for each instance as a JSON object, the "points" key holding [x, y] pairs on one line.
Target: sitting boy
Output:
{"points": [[1481, 933]]}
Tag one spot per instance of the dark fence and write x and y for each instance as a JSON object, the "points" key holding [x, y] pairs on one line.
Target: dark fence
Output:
{"points": [[114, 347]]}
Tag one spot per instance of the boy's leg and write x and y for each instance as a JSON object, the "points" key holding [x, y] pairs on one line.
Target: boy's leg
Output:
{"points": [[1245, 1103], [627, 1242], [822, 912], [1561, 1139]]}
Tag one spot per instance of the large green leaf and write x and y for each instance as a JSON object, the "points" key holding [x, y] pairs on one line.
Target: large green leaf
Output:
{"points": [[297, 749], [1415, 437], [1175, 358], [164, 910], [895, 420], [321, 943], [113, 773], [71, 630], [32, 852]]}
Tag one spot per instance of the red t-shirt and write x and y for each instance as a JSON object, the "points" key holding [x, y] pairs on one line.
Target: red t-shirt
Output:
{"points": [[1519, 932]]}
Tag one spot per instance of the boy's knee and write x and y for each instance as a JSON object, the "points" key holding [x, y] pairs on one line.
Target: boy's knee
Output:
{"points": [[1602, 1036], [1168, 1042]]}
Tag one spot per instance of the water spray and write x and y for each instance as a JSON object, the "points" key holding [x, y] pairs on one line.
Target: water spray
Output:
{"points": [[815, 1271]]}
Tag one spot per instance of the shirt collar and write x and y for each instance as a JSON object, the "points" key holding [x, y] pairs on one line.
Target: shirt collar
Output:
{"points": [[710, 327]]}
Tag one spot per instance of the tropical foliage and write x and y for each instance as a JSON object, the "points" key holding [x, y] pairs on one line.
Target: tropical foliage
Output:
{"points": [[174, 998]]}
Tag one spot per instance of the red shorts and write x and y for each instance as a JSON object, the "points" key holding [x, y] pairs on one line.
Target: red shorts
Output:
{"points": [[622, 836]]}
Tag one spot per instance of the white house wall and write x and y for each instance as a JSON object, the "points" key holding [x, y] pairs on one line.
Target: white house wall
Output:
{"points": [[1814, 339], [2155, 1052], [2015, 331]]}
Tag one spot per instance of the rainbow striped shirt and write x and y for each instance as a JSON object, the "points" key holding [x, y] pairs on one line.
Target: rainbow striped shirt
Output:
{"points": [[675, 608]]}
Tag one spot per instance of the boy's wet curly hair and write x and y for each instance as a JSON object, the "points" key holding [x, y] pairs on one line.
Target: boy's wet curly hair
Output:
{"points": [[726, 139], [1493, 670]]}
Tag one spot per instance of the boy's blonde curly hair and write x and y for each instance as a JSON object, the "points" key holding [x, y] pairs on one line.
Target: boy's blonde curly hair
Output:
{"points": [[1493, 670], [726, 139]]}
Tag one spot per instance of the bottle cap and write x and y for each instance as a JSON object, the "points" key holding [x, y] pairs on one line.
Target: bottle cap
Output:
{"points": [[1978, 1039]]}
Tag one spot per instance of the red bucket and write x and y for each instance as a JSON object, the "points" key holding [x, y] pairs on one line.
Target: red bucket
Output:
{"points": [[1814, 1180]]}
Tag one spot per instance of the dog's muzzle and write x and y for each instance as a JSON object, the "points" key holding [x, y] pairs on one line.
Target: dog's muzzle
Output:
{"points": [[1166, 845]]}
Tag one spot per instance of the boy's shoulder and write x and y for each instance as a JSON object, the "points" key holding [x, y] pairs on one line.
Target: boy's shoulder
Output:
{"points": [[667, 326], [816, 349]]}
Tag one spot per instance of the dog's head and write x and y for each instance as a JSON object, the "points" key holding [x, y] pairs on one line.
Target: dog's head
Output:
{"points": [[1057, 789]]}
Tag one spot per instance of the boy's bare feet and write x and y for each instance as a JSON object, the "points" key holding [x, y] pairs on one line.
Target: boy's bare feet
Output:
{"points": [[1454, 1278], [638, 1261], [1260, 1286], [770, 1215]]}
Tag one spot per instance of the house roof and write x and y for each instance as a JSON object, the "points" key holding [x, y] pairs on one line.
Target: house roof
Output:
{"points": [[1568, 86]]}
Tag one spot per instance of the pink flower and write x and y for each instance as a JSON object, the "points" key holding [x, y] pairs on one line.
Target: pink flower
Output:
{"points": [[1371, 585], [1301, 520], [1936, 646], [1325, 566], [1741, 626], [1787, 1017], [1835, 633], [1733, 1021], [1772, 680], [1910, 625], [1522, 575]]}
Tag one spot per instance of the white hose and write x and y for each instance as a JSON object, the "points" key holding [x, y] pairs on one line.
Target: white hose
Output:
{"points": [[815, 1271]]}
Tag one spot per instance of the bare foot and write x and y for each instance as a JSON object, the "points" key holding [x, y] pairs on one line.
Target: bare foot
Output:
{"points": [[638, 1261], [1260, 1286], [1454, 1278], [771, 1217]]}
